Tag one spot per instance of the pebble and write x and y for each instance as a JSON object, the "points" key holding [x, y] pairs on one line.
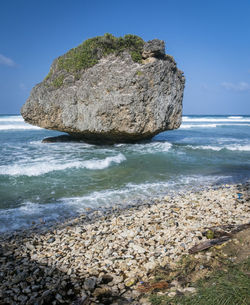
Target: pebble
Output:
{"points": [[189, 290], [90, 284], [51, 240], [94, 259], [172, 294]]}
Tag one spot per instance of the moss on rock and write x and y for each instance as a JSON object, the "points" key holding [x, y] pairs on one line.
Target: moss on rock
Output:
{"points": [[57, 82], [88, 54], [90, 51]]}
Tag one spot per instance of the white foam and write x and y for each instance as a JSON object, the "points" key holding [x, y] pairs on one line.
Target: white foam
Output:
{"points": [[235, 117], [42, 166], [150, 148], [24, 215], [187, 126], [18, 126], [239, 147], [210, 147], [233, 147], [146, 148], [11, 119], [27, 213], [101, 164], [216, 119]]}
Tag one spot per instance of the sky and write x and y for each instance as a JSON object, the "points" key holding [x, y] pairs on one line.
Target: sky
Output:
{"points": [[210, 41]]}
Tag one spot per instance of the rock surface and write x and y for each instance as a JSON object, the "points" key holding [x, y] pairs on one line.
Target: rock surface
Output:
{"points": [[115, 100]]}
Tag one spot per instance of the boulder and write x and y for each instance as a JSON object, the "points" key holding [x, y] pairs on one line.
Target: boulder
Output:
{"points": [[109, 90]]}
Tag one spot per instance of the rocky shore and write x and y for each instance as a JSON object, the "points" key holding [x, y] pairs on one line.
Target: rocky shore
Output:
{"points": [[102, 258]]}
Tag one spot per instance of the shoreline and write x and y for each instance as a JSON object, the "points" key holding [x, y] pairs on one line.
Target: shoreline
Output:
{"points": [[92, 214], [74, 259]]}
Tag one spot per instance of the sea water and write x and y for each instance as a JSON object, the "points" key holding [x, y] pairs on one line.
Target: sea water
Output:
{"points": [[51, 181]]}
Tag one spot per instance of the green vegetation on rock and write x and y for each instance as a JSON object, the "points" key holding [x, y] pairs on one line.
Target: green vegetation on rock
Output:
{"points": [[139, 73], [90, 51], [57, 82], [88, 54]]}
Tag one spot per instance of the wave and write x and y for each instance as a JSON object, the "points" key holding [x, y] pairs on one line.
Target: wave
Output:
{"points": [[30, 212], [11, 119], [17, 126], [147, 148], [187, 126], [209, 147], [156, 147], [206, 119], [44, 167], [239, 147], [233, 147], [235, 117]]}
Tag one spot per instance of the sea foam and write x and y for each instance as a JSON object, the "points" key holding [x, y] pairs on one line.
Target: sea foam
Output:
{"points": [[233, 147], [18, 126], [215, 119], [41, 167], [30, 212], [12, 119], [188, 126], [147, 148]]}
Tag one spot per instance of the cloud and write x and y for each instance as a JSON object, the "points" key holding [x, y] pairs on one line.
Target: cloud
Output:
{"points": [[242, 86], [6, 61]]}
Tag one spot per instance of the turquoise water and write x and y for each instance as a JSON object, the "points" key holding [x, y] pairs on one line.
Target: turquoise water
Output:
{"points": [[41, 181]]}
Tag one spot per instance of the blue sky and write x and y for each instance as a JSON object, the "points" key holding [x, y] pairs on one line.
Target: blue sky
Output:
{"points": [[210, 41]]}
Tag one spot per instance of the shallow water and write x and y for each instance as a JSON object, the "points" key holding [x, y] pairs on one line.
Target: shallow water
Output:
{"points": [[48, 181]]}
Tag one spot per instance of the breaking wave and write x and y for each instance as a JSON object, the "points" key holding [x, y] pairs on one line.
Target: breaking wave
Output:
{"points": [[233, 147], [187, 126], [12, 119], [216, 119], [147, 148], [38, 168], [29, 212], [18, 126]]}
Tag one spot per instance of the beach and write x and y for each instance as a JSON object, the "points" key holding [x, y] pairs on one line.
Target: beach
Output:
{"points": [[86, 224], [100, 256], [124, 153]]}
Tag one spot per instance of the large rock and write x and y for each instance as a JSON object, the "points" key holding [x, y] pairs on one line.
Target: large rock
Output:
{"points": [[117, 96]]}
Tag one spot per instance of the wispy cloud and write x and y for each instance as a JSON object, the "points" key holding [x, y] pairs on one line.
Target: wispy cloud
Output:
{"points": [[241, 86], [6, 61]]}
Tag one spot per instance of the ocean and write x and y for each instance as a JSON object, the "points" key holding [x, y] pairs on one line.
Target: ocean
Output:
{"points": [[46, 182]]}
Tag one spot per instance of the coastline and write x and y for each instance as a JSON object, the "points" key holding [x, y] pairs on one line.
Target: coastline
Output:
{"points": [[109, 254]]}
